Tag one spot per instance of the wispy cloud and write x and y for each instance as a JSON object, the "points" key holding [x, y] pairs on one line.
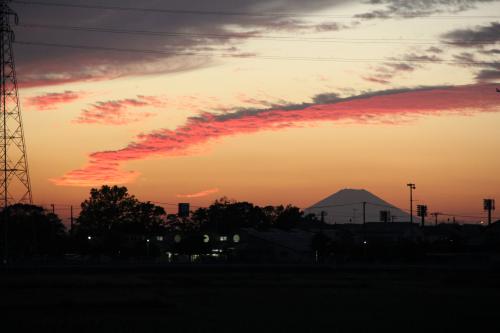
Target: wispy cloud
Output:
{"points": [[407, 63], [386, 107], [420, 8], [478, 41], [119, 112], [199, 194], [478, 36], [52, 101]]}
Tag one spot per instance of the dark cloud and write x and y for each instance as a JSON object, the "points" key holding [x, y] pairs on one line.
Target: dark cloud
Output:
{"points": [[326, 98], [385, 73], [421, 57], [188, 34], [487, 71], [434, 49], [490, 51], [477, 41], [489, 75], [465, 59], [418, 8], [299, 25], [475, 37]]}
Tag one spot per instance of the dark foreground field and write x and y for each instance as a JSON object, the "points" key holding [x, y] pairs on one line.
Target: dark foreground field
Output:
{"points": [[253, 299]]}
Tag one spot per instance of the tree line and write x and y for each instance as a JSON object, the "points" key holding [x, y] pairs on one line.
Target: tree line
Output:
{"points": [[111, 216]]}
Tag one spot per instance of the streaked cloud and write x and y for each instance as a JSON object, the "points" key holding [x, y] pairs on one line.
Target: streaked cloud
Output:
{"points": [[478, 36], [478, 41], [106, 172], [119, 112], [411, 8], [382, 107], [200, 194], [407, 63], [51, 101]]}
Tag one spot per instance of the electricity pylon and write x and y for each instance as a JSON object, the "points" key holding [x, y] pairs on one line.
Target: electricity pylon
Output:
{"points": [[15, 186]]}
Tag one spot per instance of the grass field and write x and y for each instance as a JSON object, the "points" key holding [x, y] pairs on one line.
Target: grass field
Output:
{"points": [[251, 299]]}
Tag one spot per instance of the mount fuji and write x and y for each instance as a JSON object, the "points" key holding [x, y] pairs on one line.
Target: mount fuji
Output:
{"points": [[346, 206]]}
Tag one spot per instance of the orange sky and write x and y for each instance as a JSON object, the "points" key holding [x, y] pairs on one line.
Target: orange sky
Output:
{"points": [[388, 102]]}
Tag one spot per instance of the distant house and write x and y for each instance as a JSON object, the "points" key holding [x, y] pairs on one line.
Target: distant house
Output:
{"points": [[275, 245], [492, 235], [443, 233]]}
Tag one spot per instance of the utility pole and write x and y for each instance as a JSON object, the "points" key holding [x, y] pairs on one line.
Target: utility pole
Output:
{"points": [[71, 220], [436, 215], [323, 213], [364, 212], [412, 187]]}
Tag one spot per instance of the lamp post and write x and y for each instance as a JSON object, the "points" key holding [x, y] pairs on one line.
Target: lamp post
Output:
{"points": [[412, 187]]}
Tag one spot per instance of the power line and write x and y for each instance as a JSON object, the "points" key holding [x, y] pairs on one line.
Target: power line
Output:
{"points": [[234, 13], [250, 55], [67, 207], [246, 36], [173, 11], [339, 205]]}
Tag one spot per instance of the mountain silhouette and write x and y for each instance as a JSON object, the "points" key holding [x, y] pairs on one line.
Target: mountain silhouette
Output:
{"points": [[346, 206]]}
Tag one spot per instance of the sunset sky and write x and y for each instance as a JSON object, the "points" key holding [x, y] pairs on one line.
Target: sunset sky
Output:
{"points": [[272, 102]]}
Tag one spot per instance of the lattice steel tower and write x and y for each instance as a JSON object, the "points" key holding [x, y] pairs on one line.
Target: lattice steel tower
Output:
{"points": [[15, 183]]}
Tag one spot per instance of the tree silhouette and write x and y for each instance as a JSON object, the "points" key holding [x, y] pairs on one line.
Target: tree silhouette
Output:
{"points": [[32, 231], [226, 215], [111, 213], [288, 217]]}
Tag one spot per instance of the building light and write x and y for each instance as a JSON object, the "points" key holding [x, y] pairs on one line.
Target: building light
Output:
{"points": [[177, 238], [236, 238]]}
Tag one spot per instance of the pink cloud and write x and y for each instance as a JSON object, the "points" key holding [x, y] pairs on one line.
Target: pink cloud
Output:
{"points": [[51, 101], [107, 172], [119, 112], [384, 107], [199, 194]]}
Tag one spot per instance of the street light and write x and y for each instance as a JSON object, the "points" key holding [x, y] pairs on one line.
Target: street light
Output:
{"points": [[412, 187]]}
